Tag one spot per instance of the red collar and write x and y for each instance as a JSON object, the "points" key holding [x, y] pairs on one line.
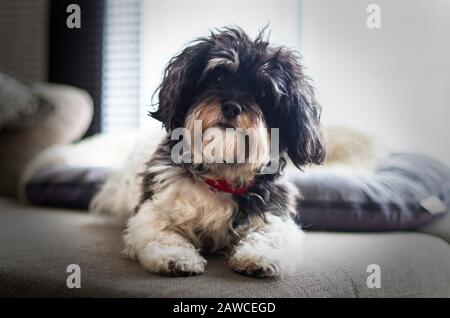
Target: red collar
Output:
{"points": [[224, 186]]}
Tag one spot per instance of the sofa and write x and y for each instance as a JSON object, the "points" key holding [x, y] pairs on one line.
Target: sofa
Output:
{"points": [[38, 245]]}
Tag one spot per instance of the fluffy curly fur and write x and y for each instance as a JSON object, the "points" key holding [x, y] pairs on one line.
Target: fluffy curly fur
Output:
{"points": [[175, 215]]}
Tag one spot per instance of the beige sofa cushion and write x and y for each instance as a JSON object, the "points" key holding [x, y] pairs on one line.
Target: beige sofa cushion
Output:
{"points": [[37, 245]]}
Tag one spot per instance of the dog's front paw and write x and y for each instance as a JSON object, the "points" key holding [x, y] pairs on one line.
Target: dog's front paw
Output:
{"points": [[172, 260], [254, 265], [184, 267]]}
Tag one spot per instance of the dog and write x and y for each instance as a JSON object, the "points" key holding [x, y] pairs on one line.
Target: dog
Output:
{"points": [[178, 211]]}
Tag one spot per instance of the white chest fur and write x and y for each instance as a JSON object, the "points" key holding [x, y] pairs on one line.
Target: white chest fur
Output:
{"points": [[192, 209]]}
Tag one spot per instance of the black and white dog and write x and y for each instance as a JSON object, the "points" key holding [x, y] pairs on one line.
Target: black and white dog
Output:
{"points": [[178, 210]]}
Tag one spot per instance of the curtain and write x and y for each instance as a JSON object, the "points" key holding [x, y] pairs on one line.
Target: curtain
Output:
{"points": [[76, 55]]}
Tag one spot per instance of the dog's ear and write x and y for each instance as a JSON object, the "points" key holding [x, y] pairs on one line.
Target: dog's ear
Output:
{"points": [[300, 134], [176, 90]]}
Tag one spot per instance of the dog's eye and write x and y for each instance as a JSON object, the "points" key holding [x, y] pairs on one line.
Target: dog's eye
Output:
{"points": [[219, 78], [262, 93]]}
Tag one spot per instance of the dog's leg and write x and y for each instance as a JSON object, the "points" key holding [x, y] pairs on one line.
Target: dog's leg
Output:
{"points": [[159, 250], [273, 249]]}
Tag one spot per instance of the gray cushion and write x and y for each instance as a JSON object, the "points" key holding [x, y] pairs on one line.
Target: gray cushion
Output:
{"points": [[66, 187], [18, 101], [390, 198], [37, 245]]}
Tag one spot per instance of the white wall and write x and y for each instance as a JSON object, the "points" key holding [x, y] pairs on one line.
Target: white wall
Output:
{"points": [[167, 25], [393, 82]]}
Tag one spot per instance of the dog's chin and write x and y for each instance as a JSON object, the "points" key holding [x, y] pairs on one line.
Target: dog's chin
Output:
{"points": [[224, 126], [232, 172]]}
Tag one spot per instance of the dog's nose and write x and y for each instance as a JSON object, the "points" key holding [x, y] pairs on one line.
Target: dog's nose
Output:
{"points": [[231, 109]]}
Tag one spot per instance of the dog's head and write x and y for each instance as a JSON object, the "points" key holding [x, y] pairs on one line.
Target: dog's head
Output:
{"points": [[228, 80]]}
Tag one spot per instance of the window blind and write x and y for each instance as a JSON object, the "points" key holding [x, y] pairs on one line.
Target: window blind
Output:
{"points": [[120, 75]]}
